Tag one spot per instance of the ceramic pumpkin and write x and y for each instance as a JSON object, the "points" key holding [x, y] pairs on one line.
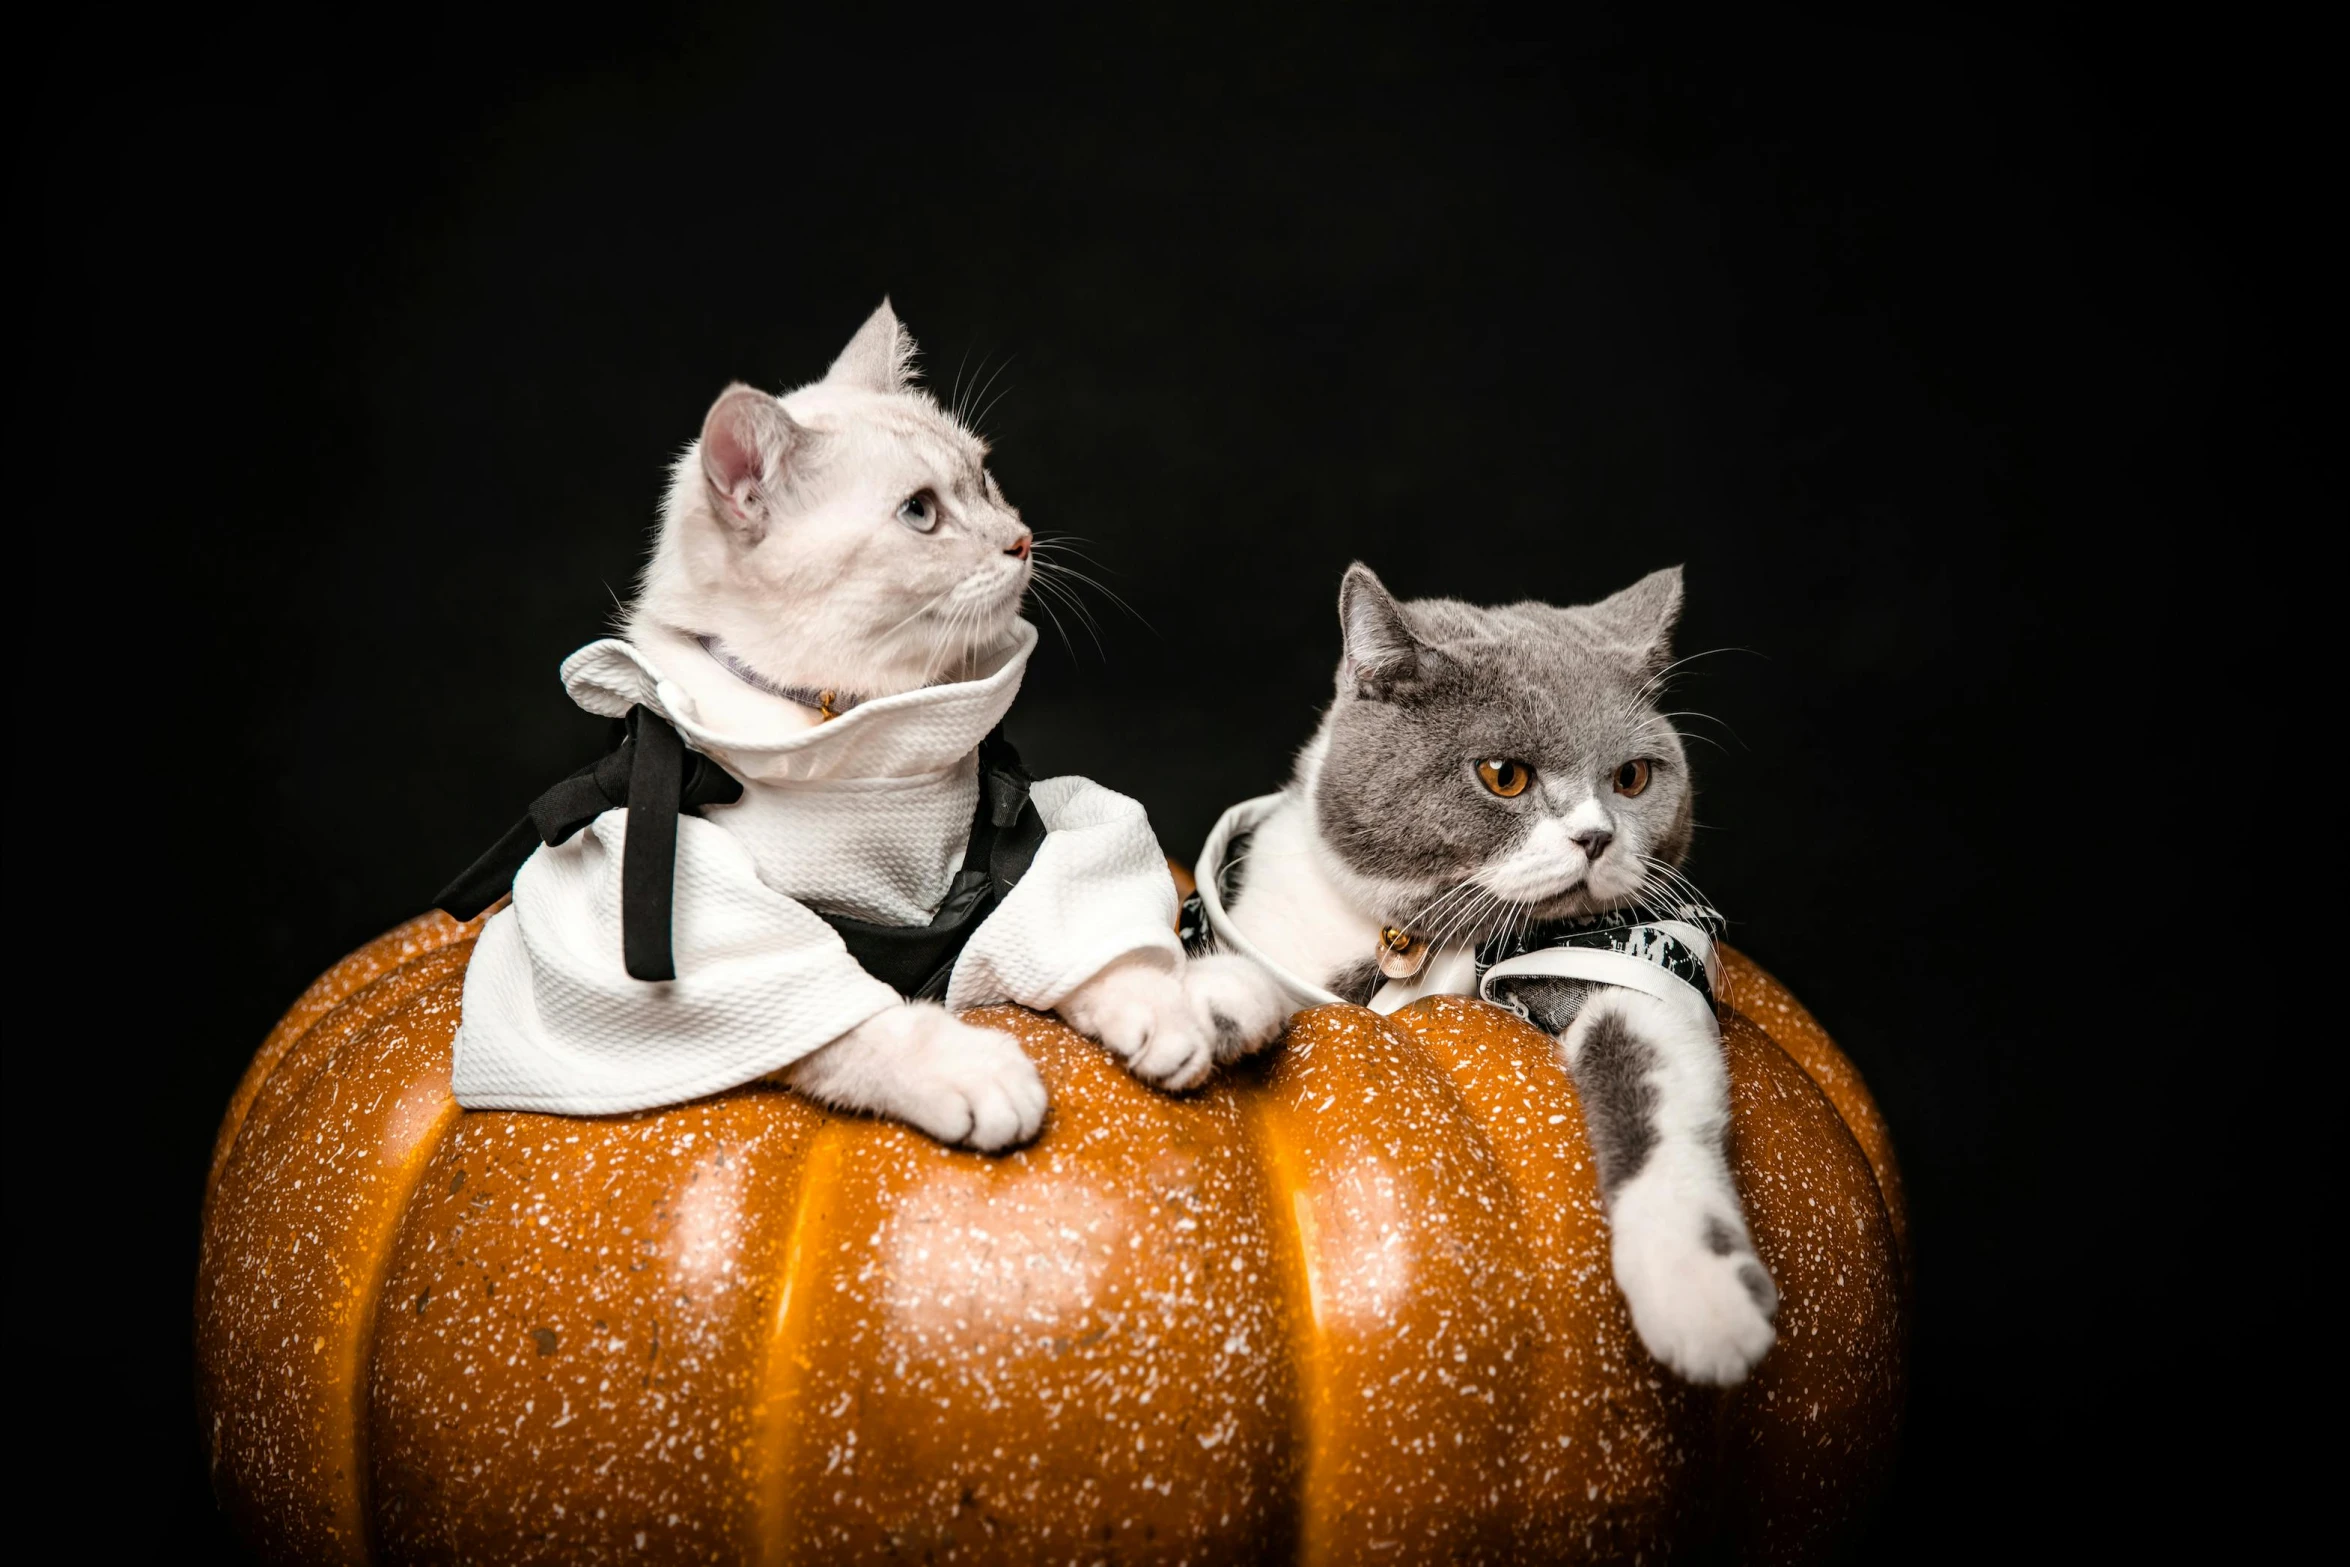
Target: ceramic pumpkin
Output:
{"points": [[1352, 1304]]}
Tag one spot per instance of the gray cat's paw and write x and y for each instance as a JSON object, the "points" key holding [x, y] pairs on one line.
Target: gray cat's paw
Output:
{"points": [[1238, 1002], [1701, 1301], [1138, 1010]]}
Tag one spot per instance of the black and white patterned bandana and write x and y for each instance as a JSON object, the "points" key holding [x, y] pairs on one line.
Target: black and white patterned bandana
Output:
{"points": [[1679, 941]]}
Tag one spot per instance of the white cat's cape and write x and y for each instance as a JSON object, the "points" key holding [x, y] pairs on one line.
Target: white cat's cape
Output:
{"points": [[866, 815]]}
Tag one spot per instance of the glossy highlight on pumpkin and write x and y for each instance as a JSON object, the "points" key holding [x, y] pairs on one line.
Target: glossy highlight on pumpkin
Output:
{"points": [[1351, 1305]]}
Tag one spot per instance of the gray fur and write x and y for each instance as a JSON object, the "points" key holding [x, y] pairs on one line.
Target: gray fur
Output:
{"points": [[1430, 687], [1720, 1239], [1550, 1004], [1619, 1102], [1357, 982], [1758, 1284]]}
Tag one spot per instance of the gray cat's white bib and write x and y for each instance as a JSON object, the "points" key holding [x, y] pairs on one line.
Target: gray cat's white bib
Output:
{"points": [[866, 815], [1672, 958]]}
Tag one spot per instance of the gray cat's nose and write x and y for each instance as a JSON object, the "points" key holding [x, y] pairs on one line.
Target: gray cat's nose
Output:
{"points": [[1593, 842], [1019, 549]]}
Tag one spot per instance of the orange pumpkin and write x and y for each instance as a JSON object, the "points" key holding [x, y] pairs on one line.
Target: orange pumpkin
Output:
{"points": [[1353, 1304]]}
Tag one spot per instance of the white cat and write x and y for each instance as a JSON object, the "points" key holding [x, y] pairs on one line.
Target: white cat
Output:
{"points": [[831, 612]]}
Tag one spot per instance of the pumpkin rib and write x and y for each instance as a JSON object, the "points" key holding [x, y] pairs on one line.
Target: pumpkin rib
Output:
{"points": [[1419, 1318], [778, 1421], [298, 1236], [1803, 1041], [1502, 1066], [1290, 1219], [362, 1384], [364, 1009], [396, 949]]}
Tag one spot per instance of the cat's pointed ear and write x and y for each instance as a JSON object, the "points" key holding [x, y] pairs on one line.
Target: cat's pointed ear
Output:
{"points": [[1638, 622], [747, 447], [1381, 652], [880, 358]]}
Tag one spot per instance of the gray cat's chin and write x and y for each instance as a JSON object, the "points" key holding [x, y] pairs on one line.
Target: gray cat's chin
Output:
{"points": [[1581, 902]]}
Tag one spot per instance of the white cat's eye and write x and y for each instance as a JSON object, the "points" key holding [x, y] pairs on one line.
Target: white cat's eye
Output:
{"points": [[919, 511], [1507, 779], [1631, 778]]}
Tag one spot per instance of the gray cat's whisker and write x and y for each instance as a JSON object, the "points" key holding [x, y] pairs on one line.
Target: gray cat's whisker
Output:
{"points": [[1428, 910], [1656, 682]]}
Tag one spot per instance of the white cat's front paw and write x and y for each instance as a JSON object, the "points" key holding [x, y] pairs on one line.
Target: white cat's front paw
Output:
{"points": [[973, 1087], [1140, 1013], [1243, 1009], [1701, 1300]]}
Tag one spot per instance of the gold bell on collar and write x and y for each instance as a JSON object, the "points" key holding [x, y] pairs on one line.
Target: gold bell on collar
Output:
{"points": [[1401, 954]]}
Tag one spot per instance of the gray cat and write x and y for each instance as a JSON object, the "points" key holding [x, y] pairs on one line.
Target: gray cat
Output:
{"points": [[1494, 805]]}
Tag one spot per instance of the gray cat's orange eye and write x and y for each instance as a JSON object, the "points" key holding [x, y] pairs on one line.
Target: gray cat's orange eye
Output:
{"points": [[1507, 779], [1631, 778]]}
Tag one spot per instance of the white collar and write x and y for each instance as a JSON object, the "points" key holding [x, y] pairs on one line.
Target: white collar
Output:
{"points": [[1244, 818], [1448, 971], [911, 734]]}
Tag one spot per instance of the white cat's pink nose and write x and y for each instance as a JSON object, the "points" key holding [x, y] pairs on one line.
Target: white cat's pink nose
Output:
{"points": [[1018, 549]]}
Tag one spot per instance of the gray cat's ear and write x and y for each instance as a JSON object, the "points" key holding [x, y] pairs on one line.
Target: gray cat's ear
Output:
{"points": [[748, 445], [1381, 652], [880, 358], [1638, 622]]}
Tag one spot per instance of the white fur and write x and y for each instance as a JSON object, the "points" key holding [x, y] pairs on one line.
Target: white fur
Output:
{"points": [[1294, 906], [782, 536], [799, 564], [1689, 1304], [920, 1064]]}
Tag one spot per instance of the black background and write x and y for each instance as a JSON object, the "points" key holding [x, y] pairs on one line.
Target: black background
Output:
{"points": [[1947, 353]]}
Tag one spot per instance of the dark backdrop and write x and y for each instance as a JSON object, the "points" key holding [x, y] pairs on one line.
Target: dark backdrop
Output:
{"points": [[1945, 353]]}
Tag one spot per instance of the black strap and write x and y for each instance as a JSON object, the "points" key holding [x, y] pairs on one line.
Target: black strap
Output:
{"points": [[650, 766], [658, 779], [648, 856]]}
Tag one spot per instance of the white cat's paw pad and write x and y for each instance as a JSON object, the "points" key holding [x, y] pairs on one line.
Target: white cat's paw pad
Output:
{"points": [[1703, 1304], [1238, 1004], [976, 1088]]}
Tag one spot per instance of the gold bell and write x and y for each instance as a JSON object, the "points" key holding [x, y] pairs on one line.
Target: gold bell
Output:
{"points": [[824, 706], [1401, 954]]}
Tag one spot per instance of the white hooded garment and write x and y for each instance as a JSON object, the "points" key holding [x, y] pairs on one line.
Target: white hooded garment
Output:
{"points": [[866, 815]]}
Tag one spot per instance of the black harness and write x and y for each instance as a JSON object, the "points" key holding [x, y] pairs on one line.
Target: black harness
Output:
{"points": [[654, 775]]}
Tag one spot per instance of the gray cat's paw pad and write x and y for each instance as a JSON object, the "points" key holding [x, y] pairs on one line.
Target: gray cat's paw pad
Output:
{"points": [[1141, 1015], [1238, 1004]]}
